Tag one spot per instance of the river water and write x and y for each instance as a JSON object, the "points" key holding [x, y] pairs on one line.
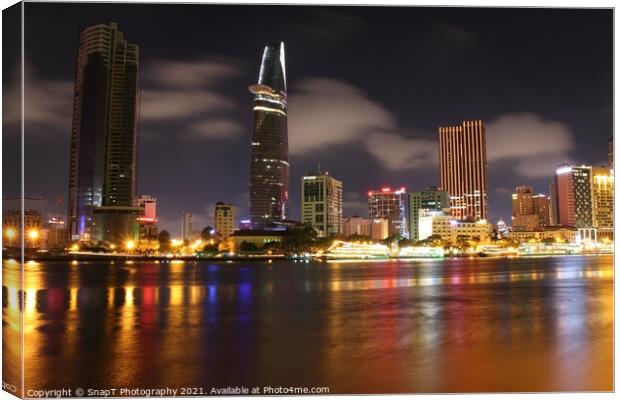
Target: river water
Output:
{"points": [[456, 325]]}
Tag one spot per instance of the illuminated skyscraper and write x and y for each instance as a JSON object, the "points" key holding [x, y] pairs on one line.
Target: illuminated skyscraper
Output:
{"points": [[603, 201], [269, 166], [321, 203], [574, 196], [102, 176], [391, 205], [463, 169]]}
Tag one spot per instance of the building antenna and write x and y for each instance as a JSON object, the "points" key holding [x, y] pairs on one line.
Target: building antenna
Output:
{"points": [[319, 168]]}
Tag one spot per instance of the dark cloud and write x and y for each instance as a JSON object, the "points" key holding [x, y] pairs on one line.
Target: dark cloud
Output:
{"points": [[48, 103], [535, 145], [209, 71], [324, 112], [219, 128], [189, 90]]}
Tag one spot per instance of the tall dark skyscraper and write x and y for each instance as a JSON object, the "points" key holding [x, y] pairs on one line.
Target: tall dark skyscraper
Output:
{"points": [[102, 176], [269, 167]]}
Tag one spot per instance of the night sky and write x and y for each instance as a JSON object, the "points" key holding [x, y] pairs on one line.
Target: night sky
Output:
{"points": [[368, 88]]}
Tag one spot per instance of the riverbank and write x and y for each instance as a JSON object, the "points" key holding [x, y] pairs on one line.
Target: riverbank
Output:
{"points": [[254, 257], [131, 257]]}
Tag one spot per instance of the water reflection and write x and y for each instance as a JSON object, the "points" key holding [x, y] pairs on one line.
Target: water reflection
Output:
{"points": [[458, 325]]}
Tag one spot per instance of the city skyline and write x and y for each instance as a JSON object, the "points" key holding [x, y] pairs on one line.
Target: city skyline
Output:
{"points": [[393, 148]]}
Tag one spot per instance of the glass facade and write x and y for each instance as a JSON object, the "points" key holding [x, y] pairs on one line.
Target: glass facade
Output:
{"points": [[390, 205], [269, 166], [104, 129]]}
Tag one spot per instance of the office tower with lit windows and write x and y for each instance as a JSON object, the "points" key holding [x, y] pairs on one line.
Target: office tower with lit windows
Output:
{"points": [[603, 201], [429, 199], [542, 208], [574, 196], [102, 171], [529, 211], [522, 202], [523, 216], [187, 225], [391, 205], [463, 169], [224, 219], [321, 203], [269, 166]]}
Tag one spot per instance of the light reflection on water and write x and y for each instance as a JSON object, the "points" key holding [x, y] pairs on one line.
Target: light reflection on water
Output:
{"points": [[542, 324]]}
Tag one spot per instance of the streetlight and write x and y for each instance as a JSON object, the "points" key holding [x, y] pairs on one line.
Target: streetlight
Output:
{"points": [[130, 245], [10, 234], [33, 234]]}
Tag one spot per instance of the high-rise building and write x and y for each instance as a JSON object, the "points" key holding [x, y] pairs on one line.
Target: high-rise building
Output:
{"points": [[269, 166], [321, 203], [603, 201], [574, 196], [522, 202], [102, 172], [391, 205], [187, 225], [529, 211], [429, 199], [224, 219], [463, 169], [148, 216], [542, 208]]}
